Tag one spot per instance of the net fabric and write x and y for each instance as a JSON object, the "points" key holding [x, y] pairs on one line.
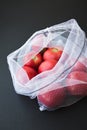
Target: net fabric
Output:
{"points": [[67, 35]]}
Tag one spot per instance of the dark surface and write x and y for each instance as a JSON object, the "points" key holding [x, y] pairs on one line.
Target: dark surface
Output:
{"points": [[18, 21]]}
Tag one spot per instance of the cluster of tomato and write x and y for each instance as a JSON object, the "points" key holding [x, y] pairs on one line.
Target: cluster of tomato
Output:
{"points": [[43, 61], [46, 60]]}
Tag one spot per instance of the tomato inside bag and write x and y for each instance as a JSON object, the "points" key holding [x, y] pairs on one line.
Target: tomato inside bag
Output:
{"points": [[52, 66]]}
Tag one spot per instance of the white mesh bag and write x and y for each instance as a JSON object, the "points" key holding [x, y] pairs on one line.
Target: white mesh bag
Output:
{"points": [[63, 85]]}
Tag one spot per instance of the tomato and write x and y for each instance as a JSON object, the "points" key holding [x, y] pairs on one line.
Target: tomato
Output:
{"points": [[35, 61], [21, 76], [30, 71], [80, 88], [52, 53], [52, 98], [46, 65]]}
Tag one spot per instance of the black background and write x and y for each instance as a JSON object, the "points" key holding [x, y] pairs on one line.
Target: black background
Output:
{"points": [[18, 21]]}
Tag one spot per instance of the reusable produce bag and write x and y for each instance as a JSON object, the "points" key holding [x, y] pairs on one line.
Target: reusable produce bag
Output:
{"points": [[66, 82]]}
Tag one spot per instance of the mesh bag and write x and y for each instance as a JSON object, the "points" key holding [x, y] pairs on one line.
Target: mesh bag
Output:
{"points": [[66, 82]]}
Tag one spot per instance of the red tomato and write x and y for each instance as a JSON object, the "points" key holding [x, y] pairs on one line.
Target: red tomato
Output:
{"points": [[30, 71], [35, 61], [46, 65], [52, 53], [77, 89], [53, 98], [21, 76]]}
